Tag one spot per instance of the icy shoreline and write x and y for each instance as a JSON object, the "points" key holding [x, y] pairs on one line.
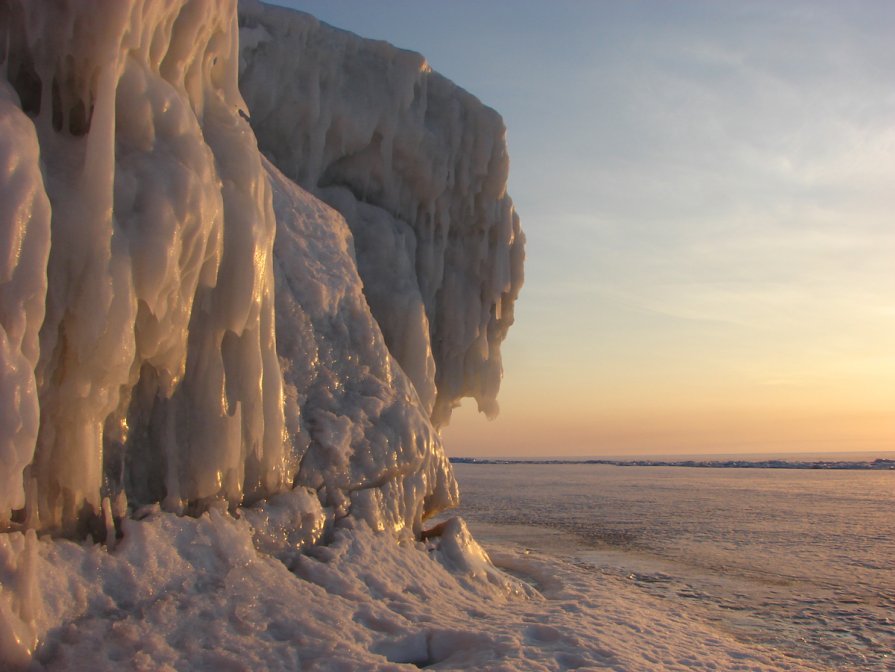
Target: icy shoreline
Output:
{"points": [[181, 593]]}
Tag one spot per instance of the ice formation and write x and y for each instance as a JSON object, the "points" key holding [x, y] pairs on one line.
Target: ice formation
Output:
{"points": [[418, 167], [184, 327], [140, 318], [365, 442], [157, 376], [25, 244]]}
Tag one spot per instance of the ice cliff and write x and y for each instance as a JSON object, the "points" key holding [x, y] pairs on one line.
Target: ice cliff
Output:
{"points": [[418, 167], [182, 322]]}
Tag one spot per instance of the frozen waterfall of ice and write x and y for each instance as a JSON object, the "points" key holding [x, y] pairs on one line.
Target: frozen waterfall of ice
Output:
{"points": [[157, 376]]}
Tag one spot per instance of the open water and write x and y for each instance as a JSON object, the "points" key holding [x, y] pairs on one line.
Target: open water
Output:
{"points": [[802, 560]]}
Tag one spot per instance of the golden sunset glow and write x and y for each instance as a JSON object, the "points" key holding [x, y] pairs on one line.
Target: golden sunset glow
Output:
{"points": [[706, 190]]}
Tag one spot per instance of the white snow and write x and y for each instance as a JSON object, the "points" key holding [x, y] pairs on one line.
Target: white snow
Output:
{"points": [[181, 593]]}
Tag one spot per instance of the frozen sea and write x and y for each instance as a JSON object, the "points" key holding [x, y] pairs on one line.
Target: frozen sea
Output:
{"points": [[799, 560]]}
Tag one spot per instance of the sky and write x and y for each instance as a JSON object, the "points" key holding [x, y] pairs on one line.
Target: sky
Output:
{"points": [[708, 194]]}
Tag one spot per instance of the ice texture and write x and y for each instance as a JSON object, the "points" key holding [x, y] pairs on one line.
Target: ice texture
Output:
{"points": [[157, 376], [418, 167], [185, 329], [24, 246], [213, 593], [158, 347], [355, 421]]}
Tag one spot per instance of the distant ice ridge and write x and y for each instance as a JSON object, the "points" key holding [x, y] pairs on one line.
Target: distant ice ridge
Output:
{"points": [[157, 345], [874, 464]]}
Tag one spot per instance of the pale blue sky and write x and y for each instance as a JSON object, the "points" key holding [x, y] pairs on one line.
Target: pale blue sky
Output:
{"points": [[708, 192]]}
